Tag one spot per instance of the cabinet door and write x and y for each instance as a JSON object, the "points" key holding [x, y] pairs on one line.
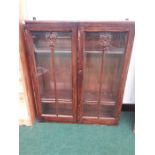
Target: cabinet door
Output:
{"points": [[103, 61], [52, 58]]}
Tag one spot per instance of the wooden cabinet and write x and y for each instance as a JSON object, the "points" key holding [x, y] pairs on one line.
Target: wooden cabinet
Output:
{"points": [[78, 69]]}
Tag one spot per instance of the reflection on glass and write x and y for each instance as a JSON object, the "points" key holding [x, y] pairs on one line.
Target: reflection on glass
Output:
{"points": [[103, 60], [54, 72]]}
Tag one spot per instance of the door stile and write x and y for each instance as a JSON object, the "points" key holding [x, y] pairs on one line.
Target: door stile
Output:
{"points": [[81, 37], [74, 70], [33, 71], [127, 56]]}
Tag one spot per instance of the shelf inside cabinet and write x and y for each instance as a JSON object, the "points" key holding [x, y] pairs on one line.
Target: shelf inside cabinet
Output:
{"points": [[110, 51], [99, 112], [106, 99], [62, 109], [48, 51], [64, 96]]}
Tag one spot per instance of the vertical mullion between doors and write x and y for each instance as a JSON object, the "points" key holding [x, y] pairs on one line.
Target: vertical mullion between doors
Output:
{"points": [[81, 42], [74, 70]]}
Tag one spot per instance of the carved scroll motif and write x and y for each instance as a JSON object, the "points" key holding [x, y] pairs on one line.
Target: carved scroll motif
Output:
{"points": [[105, 40], [52, 39]]}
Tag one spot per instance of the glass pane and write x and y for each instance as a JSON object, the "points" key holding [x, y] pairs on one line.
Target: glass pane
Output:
{"points": [[54, 71], [103, 60]]}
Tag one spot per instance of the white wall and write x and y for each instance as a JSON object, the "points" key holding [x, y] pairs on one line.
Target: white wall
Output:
{"points": [[87, 10]]}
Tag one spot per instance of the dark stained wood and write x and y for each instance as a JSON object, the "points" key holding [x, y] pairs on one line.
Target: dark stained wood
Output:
{"points": [[80, 71], [49, 118], [74, 70], [112, 84], [100, 86], [42, 26], [108, 121], [94, 100], [33, 71]]}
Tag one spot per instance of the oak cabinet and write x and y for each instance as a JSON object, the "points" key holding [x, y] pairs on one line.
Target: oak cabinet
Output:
{"points": [[78, 69]]}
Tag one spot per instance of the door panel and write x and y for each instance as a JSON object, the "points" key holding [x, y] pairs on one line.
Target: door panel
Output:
{"points": [[101, 55], [54, 70]]}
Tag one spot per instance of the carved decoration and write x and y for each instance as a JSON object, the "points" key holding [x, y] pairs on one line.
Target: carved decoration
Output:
{"points": [[105, 40], [52, 39]]}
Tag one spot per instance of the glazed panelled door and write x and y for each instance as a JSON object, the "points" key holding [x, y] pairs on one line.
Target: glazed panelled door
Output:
{"points": [[78, 69], [101, 57], [55, 66]]}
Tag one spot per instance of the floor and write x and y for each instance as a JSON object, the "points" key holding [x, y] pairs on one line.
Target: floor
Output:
{"points": [[73, 139]]}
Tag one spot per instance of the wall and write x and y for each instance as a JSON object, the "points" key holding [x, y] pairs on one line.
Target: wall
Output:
{"points": [[80, 10], [26, 110]]}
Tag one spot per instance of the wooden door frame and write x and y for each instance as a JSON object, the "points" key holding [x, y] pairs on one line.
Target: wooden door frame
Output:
{"points": [[110, 27], [58, 27], [78, 28]]}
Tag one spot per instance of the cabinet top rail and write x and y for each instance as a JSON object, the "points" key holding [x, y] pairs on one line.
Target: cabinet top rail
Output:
{"points": [[77, 22]]}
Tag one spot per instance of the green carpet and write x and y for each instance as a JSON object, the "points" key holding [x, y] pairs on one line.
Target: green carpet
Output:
{"points": [[74, 139]]}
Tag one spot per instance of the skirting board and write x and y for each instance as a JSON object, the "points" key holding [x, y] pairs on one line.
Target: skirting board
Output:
{"points": [[128, 107]]}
